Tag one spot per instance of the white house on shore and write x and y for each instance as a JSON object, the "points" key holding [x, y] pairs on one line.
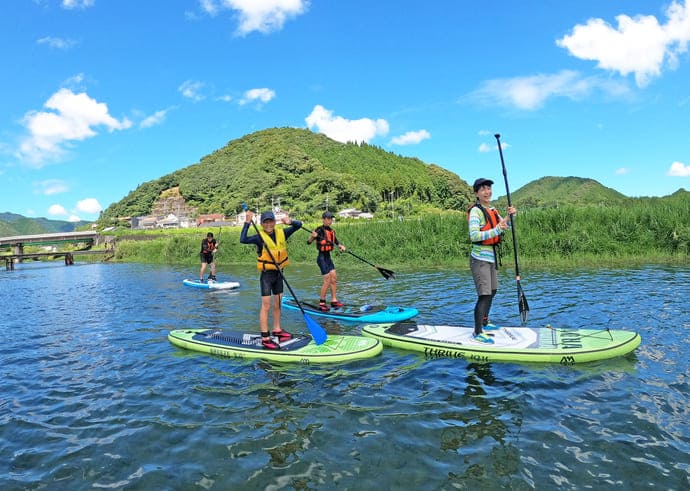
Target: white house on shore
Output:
{"points": [[354, 213]]}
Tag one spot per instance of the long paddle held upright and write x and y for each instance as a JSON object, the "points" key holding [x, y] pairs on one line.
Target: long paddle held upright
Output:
{"points": [[316, 331], [522, 300], [386, 273]]}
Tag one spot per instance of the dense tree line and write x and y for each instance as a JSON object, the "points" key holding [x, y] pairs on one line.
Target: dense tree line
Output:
{"points": [[306, 172]]}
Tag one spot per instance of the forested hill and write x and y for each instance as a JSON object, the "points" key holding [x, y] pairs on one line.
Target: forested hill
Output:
{"points": [[304, 170], [12, 224], [558, 191]]}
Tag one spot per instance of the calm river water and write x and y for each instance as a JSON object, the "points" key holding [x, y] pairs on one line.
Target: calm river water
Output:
{"points": [[94, 396]]}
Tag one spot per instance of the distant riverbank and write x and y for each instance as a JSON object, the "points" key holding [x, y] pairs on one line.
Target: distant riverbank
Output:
{"points": [[556, 237]]}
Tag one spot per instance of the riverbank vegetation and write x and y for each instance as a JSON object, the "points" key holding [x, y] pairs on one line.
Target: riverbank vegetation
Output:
{"points": [[642, 231]]}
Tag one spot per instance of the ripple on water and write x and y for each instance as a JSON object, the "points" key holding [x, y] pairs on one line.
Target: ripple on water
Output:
{"points": [[95, 396]]}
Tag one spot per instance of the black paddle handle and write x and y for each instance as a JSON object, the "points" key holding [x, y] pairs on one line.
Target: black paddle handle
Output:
{"points": [[512, 222]]}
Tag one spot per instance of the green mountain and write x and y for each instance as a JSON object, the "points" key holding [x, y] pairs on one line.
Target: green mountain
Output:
{"points": [[558, 191], [304, 172], [14, 224]]}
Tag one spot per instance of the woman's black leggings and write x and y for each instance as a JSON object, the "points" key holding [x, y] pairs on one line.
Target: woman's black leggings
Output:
{"points": [[481, 311]]}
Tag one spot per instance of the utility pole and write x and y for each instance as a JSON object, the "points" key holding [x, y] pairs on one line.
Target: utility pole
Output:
{"points": [[392, 207]]}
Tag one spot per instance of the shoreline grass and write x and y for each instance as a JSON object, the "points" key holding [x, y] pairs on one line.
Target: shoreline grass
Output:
{"points": [[547, 238]]}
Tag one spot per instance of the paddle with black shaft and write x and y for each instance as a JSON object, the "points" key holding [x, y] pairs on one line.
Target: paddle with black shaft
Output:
{"points": [[386, 273], [522, 300], [317, 332]]}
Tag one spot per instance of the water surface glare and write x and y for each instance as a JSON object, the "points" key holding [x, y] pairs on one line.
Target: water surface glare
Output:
{"points": [[94, 396]]}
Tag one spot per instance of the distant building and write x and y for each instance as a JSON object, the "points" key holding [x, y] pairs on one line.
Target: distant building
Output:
{"points": [[209, 217], [171, 221], [242, 217], [145, 222], [354, 213]]}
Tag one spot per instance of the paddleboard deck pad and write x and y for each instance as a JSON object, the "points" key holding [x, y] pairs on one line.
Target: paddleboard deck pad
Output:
{"points": [[521, 344], [212, 285], [372, 314], [300, 348]]}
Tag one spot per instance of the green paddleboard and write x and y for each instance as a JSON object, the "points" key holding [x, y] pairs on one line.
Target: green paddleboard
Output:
{"points": [[523, 344], [300, 349]]}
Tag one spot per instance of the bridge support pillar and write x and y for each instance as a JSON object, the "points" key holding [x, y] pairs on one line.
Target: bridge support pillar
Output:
{"points": [[19, 249]]}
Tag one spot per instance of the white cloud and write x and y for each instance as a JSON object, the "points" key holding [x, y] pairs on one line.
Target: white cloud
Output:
{"points": [[156, 118], [49, 187], [639, 45], [73, 218], [210, 7], [224, 98], [57, 210], [262, 95], [89, 205], [191, 90], [345, 130], [75, 82], [531, 92], [73, 118], [77, 4], [622, 171], [57, 43], [411, 137], [679, 169], [484, 147], [264, 16]]}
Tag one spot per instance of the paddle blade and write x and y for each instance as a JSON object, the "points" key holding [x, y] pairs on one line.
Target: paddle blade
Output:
{"points": [[317, 332], [386, 273], [522, 305]]}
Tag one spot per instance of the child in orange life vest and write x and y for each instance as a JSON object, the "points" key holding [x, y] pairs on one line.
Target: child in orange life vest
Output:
{"points": [[486, 229], [209, 246], [326, 241], [274, 240]]}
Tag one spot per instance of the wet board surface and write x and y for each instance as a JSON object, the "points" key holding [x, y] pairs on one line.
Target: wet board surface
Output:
{"points": [[363, 313], [301, 348], [211, 285], [531, 344]]}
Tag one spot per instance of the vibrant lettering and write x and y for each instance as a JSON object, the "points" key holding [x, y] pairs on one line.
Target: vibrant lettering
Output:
{"points": [[570, 340]]}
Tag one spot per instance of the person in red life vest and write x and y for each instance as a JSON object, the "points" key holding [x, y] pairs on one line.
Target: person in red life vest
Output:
{"points": [[326, 241], [486, 228], [271, 250], [209, 246]]}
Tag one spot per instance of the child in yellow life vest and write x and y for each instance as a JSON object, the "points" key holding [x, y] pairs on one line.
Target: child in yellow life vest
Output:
{"points": [[326, 241], [274, 240]]}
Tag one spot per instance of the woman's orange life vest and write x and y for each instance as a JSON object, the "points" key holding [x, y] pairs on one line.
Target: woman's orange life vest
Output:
{"points": [[327, 241], [278, 250], [491, 217]]}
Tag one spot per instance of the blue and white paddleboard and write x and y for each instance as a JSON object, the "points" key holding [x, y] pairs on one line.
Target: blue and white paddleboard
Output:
{"points": [[212, 285], [371, 314]]}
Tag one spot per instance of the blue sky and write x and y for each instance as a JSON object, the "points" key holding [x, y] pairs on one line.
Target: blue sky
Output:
{"points": [[99, 96]]}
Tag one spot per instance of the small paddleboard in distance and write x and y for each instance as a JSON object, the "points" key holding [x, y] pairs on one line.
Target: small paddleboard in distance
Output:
{"points": [[300, 349], [521, 344], [372, 314], [211, 285]]}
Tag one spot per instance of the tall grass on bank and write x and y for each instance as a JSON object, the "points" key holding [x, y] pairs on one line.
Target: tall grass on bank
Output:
{"points": [[638, 233]]}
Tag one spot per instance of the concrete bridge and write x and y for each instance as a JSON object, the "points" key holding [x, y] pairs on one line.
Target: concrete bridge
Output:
{"points": [[17, 243]]}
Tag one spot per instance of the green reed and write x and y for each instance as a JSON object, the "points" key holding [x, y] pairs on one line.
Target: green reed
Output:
{"points": [[647, 231]]}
